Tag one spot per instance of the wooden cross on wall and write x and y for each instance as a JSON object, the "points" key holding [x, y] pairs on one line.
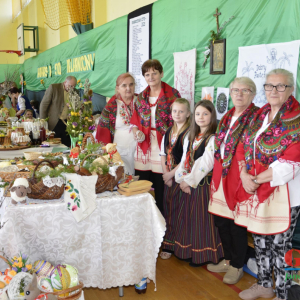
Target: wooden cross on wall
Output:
{"points": [[216, 15]]}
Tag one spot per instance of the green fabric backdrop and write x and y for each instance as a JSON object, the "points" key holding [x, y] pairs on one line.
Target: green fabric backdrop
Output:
{"points": [[176, 26]]}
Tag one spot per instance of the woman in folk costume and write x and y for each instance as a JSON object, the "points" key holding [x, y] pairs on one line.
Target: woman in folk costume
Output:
{"points": [[171, 153], [226, 177], [268, 197], [195, 235], [151, 119], [114, 122]]}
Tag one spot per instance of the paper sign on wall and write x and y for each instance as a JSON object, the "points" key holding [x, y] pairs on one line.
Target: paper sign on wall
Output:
{"points": [[256, 61], [208, 93], [222, 101]]}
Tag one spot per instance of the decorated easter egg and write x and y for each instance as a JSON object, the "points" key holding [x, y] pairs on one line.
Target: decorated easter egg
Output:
{"points": [[42, 268], [73, 275], [44, 284], [60, 278]]}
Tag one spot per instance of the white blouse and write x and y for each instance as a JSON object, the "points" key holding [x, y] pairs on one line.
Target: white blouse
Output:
{"points": [[152, 100], [162, 144], [202, 166], [283, 172], [21, 102]]}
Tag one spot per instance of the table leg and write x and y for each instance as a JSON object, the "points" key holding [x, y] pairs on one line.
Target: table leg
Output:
{"points": [[121, 291]]}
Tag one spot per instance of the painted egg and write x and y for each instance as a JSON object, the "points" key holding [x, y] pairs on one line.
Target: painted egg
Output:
{"points": [[60, 278], [42, 268], [73, 275], [44, 284]]}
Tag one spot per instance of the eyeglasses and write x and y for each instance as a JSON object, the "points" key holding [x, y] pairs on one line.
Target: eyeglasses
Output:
{"points": [[278, 87], [244, 91]]}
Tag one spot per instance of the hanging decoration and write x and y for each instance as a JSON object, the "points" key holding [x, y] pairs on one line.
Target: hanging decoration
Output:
{"points": [[215, 35]]}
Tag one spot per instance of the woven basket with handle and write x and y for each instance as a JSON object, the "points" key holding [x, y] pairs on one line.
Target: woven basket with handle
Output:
{"points": [[73, 293], [40, 191], [105, 182]]}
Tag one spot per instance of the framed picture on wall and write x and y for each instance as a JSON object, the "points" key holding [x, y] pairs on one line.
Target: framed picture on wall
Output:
{"points": [[218, 57]]}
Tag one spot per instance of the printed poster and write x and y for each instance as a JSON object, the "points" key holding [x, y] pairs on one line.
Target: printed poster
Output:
{"points": [[222, 102], [208, 93], [256, 61]]}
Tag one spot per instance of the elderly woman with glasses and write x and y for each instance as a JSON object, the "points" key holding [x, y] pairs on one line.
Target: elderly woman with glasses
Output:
{"points": [[269, 191], [226, 178]]}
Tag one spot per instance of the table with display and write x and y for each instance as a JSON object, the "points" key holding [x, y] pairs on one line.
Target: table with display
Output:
{"points": [[10, 154], [117, 245]]}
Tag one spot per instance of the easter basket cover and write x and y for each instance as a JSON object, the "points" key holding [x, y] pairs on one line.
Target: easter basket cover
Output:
{"points": [[41, 191]]}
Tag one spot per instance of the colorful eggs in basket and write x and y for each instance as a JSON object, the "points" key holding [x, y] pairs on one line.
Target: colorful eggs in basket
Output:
{"points": [[42, 268], [73, 275], [60, 278], [44, 284]]}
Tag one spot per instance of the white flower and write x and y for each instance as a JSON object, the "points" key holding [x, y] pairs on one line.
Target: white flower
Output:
{"points": [[206, 52]]}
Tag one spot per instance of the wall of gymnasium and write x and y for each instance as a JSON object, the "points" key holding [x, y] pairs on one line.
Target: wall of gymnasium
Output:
{"points": [[176, 26]]}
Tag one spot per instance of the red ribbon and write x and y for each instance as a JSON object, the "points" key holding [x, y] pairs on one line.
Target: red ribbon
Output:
{"points": [[112, 153], [74, 155]]}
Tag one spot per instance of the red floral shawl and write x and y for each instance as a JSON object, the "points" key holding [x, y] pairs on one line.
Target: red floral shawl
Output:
{"points": [[280, 141], [107, 122], [227, 168], [163, 120]]}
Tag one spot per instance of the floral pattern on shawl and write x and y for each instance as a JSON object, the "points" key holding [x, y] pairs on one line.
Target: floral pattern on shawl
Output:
{"points": [[234, 136], [282, 132]]}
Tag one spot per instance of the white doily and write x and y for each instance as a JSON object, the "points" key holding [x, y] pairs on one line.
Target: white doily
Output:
{"points": [[14, 285], [113, 169], [50, 182], [9, 169]]}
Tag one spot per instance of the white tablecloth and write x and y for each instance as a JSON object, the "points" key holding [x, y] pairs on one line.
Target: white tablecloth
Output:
{"points": [[116, 245]]}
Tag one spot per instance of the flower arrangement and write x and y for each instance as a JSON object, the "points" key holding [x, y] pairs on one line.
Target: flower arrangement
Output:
{"points": [[87, 118], [19, 263], [80, 111], [214, 37]]}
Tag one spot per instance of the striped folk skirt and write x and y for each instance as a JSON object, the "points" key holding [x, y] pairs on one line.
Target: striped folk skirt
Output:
{"points": [[191, 233]]}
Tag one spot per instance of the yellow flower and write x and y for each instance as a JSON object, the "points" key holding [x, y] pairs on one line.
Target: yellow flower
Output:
{"points": [[14, 265], [29, 267], [78, 81], [15, 258], [72, 114], [86, 118], [19, 259], [73, 196], [12, 273], [78, 114]]}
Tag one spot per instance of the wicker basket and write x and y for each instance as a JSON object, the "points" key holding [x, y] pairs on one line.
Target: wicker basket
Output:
{"points": [[40, 191], [11, 176], [73, 293], [105, 182], [32, 155]]}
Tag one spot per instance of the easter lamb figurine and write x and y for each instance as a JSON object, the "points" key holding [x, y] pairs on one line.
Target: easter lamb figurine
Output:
{"points": [[31, 291], [19, 191]]}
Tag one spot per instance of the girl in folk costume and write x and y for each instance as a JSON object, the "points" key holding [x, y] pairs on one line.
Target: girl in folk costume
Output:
{"points": [[150, 120], [171, 153], [196, 236], [114, 122]]}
